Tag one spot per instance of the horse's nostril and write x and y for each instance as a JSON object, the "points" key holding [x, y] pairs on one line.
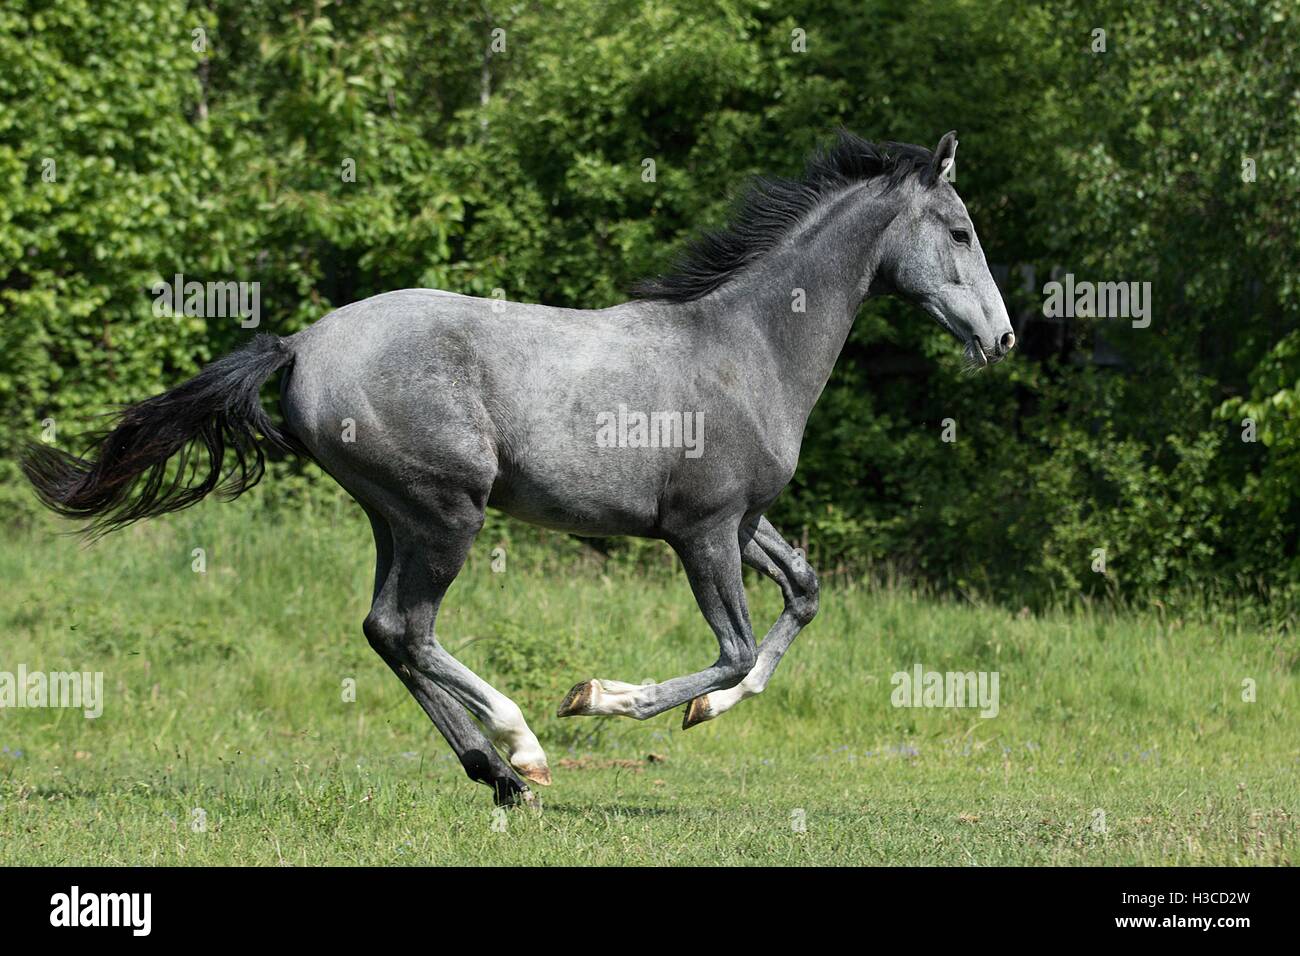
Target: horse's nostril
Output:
{"points": [[1008, 341]]}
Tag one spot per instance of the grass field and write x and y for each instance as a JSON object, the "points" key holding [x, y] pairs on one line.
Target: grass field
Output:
{"points": [[1120, 738]]}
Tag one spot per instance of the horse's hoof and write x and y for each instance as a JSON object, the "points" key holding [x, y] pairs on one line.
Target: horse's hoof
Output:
{"points": [[523, 799], [577, 701], [697, 712], [537, 773], [509, 794]]}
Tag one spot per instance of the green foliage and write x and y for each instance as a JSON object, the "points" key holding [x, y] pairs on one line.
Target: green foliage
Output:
{"points": [[1271, 415], [520, 168]]}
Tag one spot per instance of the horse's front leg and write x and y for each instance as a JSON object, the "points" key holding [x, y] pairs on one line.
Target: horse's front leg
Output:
{"points": [[712, 563], [770, 554]]}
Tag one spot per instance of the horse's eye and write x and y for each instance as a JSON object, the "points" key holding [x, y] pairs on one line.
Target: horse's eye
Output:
{"points": [[961, 236]]}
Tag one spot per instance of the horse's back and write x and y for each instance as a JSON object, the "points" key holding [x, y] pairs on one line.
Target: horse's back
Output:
{"points": [[497, 392]]}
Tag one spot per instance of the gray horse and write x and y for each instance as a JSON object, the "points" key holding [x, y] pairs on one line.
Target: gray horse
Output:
{"points": [[677, 415]]}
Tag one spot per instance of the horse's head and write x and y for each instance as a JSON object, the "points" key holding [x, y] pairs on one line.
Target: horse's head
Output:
{"points": [[933, 258]]}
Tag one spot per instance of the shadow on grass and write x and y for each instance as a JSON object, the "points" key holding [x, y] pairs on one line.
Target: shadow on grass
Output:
{"points": [[614, 810]]}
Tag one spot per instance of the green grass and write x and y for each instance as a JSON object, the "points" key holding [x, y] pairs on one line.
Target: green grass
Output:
{"points": [[224, 693]]}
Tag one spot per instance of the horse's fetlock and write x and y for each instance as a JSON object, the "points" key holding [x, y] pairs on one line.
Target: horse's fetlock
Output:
{"points": [[738, 665]]}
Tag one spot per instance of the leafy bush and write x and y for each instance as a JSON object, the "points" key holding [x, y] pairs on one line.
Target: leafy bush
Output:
{"points": [[1168, 158]]}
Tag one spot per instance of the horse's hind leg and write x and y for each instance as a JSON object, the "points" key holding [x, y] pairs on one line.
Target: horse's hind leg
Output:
{"points": [[476, 754], [772, 555], [429, 548], [479, 758]]}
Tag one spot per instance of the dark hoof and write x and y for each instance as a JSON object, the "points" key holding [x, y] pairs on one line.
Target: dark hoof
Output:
{"points": [[577, 701], [507, 793], [697, 712]]}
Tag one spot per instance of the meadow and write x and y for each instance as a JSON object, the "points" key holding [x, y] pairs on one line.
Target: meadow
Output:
{"points": [[1123, 736]]}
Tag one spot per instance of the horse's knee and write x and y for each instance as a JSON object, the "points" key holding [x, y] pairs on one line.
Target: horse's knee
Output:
{"points": [[803, 600], [385, 632]]}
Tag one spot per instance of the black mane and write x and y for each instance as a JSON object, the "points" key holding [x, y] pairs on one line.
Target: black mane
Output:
{"points": [[771, 207]]}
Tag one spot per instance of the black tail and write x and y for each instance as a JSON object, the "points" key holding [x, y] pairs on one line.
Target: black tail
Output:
{"points": [[126, 476]]}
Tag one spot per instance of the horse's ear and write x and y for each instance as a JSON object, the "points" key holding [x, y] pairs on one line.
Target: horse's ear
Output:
{"points": [[945, 154]]}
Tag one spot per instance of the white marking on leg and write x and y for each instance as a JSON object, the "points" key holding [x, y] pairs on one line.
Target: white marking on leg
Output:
{"points": [[613, 698], [502, 720], [506, 727], [721, 701]]}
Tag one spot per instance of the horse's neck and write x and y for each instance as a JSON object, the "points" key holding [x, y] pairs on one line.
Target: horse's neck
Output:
{"points": [[804, 297]]}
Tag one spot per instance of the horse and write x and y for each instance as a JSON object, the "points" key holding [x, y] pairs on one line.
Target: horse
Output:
{"points": [[454, 404]]}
